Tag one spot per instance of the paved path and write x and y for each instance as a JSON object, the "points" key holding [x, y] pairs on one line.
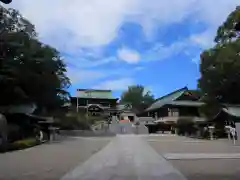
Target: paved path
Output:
{"points": [[48, 161], [199, 159], [194, 156], [187, 145], [127, 157], [209, 169]]}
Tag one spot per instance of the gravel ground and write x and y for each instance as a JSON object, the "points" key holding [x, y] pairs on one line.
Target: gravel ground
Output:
{"points": [[207, 169], [187, 145], [48, 161], [227, 169]]}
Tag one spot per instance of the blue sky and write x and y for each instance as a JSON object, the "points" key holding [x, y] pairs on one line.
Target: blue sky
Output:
{"points": [[110, 44]]}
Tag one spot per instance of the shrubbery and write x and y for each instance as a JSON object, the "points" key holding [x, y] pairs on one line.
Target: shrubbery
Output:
{"points": [[186, 127], [20, 144], [73, 122], [78, 121], [25, 143]]}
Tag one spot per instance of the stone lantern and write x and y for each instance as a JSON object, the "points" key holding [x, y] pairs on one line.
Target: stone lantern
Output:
{"points": [[227, 129], [211, 130]]}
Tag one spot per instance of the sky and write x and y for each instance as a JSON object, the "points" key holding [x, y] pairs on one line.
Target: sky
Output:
{"points": [[112, 44]]}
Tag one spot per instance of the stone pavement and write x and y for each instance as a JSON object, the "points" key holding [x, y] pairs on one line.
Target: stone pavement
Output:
{"points": [[199, 159], [179, 144], [209, 169], [195, 156], [48, 161], [126, 157]]}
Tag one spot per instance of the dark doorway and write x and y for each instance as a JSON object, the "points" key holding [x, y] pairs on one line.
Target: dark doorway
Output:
{"points": [[131, 118], [151, 128]]}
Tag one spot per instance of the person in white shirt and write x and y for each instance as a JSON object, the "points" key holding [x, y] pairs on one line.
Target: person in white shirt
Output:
{"points": [[233, 133]]}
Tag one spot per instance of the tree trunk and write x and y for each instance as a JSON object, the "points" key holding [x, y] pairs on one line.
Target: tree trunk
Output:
{"points": [[3, 132]]}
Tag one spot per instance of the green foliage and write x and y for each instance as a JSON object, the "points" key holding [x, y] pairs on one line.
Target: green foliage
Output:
{"points": [[210, 109], [226, 32], [186, 126], [137, 97], [22, 144], [30, 71], [74, 121], [26, 142], [220, 73], [220, 65]]}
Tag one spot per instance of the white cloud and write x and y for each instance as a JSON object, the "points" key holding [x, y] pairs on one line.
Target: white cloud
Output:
{"points": [[196, 59], [204, 39], [128, 55], [161, 52], [82, 28], [86, 63], [116, 84], [92, 23], [212, 14], [76, 23], [81, 75]]}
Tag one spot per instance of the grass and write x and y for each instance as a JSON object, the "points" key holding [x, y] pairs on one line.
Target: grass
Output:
{"points": [[22, 144], [26, 142]]}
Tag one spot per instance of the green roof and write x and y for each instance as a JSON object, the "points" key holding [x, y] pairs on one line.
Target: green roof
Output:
{"points": [[195, 93], [166, 99], [172, 100], [232, 110], [95, 94]]}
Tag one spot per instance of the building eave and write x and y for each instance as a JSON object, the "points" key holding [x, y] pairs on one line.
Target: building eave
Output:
{"points": [[94, 98], [161, 104]]}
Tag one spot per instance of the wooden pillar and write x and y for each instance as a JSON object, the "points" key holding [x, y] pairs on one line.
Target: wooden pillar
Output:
{"points": [[77, 104], [156, 116], [87, 109], [3, 132]]}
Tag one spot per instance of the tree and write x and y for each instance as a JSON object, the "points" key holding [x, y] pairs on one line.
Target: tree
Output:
{"points": [[137, 97], [30, 71], [220, 66], [227, 31], [6, 1]]}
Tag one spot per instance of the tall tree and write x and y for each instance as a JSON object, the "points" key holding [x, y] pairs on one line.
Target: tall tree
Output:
{"points": [[138, 97], [30, 71], [220, 65], [227, 32]]}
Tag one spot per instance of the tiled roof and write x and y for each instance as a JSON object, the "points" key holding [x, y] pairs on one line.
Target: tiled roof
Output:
{"points": [[166, 99], [195, 93], [171, 99], [150, 119], [95, 90], [94, 94], [187, 103], [232, 110]]}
